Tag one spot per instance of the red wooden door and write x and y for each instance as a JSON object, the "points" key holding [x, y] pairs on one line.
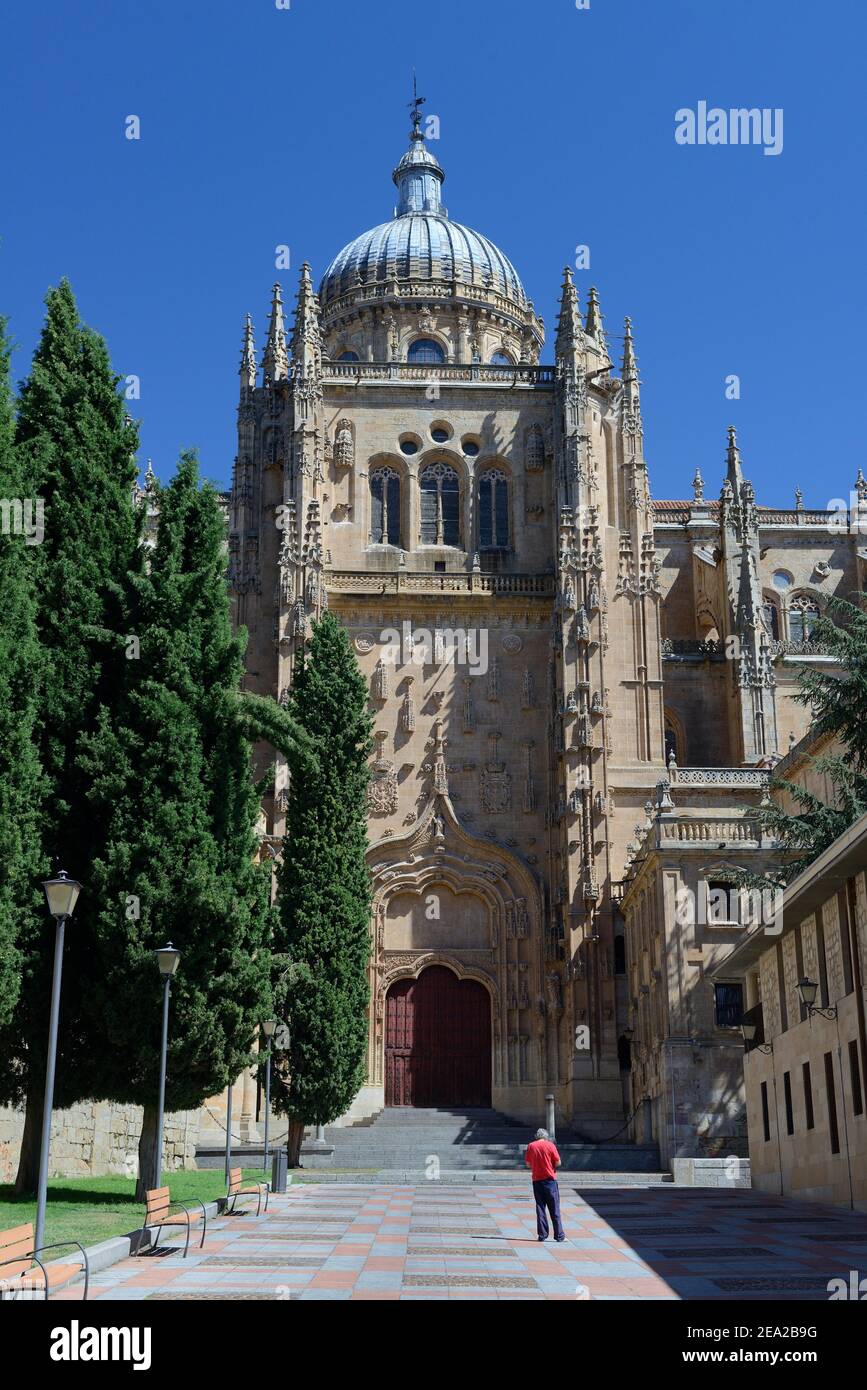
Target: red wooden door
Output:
{"points": [[437, 1041]]}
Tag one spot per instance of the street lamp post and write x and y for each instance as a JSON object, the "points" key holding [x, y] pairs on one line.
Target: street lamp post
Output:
{"points": [[61, 894], [167, 960], [268, 1030], [228, 1157]]}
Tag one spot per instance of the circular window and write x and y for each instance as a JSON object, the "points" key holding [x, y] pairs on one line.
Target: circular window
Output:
{"points": [[781, 580], [408, 446], [470, 448]]}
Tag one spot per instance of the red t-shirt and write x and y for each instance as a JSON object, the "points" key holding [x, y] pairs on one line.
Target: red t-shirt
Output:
{"points": [[542, 1155]]}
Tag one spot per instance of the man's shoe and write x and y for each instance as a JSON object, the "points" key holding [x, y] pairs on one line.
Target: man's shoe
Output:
{"points": [[541, 1238], [559, 1239]]}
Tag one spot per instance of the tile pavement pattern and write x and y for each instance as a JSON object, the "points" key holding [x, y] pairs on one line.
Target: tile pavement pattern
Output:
{"points": [[358, 1242]]}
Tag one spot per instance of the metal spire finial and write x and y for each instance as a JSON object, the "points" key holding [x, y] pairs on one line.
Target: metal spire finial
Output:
{"points": [[415, 106]]}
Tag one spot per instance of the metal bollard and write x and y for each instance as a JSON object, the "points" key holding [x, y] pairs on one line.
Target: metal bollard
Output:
{"points": [[279, 1169]]}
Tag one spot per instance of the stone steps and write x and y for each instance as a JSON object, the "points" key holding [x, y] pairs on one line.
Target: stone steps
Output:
{"points": [[470, 1142], [471, 1139]]}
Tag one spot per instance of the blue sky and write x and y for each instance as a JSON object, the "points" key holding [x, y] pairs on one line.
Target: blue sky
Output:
{"points": [[262, 127]]}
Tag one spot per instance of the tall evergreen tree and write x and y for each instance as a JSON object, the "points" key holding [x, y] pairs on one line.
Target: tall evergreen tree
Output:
{"points": [[324, 890], [75, 444], [172, 765], [837, 700], [22, 864]]}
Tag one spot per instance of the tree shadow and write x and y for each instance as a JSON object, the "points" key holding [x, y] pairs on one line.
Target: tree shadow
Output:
{"points": [[75, 1196]]}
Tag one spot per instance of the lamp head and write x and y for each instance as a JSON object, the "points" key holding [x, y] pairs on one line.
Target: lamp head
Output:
{"points": [[808, 989], [167, 959], [61, 894]]}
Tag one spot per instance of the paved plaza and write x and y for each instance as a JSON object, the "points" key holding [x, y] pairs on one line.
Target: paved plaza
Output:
{"points": [[367, 1241]]}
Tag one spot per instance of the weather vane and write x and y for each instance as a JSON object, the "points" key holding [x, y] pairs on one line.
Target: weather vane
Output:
{"points": [[415, 105]]}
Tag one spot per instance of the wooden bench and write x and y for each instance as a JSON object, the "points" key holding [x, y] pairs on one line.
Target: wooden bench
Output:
{"points": [[158, 1215], [19, 1263], [236, 1190]]}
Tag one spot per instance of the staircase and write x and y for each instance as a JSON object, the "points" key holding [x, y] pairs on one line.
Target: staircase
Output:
{"points": [[452, 1146], [468, 1145]]}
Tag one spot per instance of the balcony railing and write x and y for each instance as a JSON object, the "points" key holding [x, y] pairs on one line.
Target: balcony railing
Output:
{"points": [[787, 648], [697, 830], [402, 582], [673, 647], [798, 516], [455, 290], [718, 777], [424, 373]]}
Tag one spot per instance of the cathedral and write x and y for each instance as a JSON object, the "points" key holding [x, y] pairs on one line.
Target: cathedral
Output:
{"points": [[556, 660]]}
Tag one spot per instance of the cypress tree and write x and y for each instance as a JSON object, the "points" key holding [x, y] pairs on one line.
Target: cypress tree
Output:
{"points": [[324, 890], [75, 444], [22, 865], [173, 765]]}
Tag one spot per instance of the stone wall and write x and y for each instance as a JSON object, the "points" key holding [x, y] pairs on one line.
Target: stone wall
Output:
{"points": [[94, 1139]]}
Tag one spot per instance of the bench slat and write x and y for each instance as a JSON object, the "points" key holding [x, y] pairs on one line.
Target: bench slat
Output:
{"points": [[20, 1250], [16, 1234]]}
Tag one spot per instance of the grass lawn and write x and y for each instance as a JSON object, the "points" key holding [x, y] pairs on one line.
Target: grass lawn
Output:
{"points": [[93, 1209]]}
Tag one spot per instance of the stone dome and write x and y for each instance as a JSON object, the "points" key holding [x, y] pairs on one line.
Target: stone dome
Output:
{"points": [[421, 242]]}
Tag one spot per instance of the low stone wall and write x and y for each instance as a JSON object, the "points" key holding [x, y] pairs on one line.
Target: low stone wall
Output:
{"points": [[97, 1138], [711, 1172]]}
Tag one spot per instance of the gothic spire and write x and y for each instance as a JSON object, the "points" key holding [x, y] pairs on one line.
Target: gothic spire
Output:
{"points": [[734, 470], [633, 429], [248, 356], [594, 322], [275, 361], [570, 330], [629, 371], [306, 336]]}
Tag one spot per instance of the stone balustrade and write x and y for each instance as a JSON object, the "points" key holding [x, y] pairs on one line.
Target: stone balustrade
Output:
{"points": [[756, 777], [402, 581], [424, 373]]}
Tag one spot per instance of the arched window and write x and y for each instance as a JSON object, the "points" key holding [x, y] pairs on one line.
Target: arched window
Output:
{"points": [[384, 507], [440, 505], [771, 615], [426, 350], [501, 359], [493, 510], [349, 357], [803, 613]]}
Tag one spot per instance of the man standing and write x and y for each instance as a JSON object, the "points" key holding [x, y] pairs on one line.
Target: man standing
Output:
{"points": [[543, 1160]]}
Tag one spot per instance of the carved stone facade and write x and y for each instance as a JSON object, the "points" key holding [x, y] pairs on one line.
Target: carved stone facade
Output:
{"points": [[406, 461]]}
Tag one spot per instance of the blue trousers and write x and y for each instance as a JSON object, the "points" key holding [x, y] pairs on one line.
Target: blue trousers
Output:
{"points": [[547, 1195]]}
